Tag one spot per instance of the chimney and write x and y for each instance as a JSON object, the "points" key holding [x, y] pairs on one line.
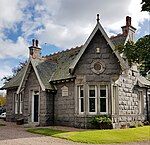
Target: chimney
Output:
{"points": [[128, 29], [35, 51]]}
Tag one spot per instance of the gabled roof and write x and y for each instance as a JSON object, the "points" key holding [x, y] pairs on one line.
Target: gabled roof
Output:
{"points": [[119, 39], [143, 82], [97, 27], [43, 71], [15, 81], [63, 60]]}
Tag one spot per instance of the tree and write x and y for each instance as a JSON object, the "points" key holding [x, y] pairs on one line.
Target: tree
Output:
{"points": [[145, 5], [138, 52], [2, 101], [143, 47], [15, 70]]}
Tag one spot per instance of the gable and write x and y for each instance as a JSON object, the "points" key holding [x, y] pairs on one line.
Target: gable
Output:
{"points": [[43, 71], [110, 63], [103, 33], [31, 79]]}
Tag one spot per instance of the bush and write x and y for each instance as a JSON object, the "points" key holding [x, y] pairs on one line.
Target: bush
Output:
{"points": [[146, 123], [101, 122]]}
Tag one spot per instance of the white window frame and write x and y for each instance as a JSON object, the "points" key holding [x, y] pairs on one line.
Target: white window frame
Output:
{"points": [[114, 96], [15, 103], [106, 88], [20, 103], [92, 113], [140, 93], [79, 98]]}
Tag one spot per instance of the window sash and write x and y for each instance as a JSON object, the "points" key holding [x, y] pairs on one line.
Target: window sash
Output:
{"points": [[21, 103], [92, 98], [81, 98], [15, 103], [103, 99], [140, 102]]}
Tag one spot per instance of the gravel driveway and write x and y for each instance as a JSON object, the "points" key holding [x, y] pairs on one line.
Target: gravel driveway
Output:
{"points": [[12, 134]]}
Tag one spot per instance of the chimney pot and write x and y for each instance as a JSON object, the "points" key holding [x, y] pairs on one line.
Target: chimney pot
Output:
{"points": [[33, 41], [36, 43], [128, 21]]}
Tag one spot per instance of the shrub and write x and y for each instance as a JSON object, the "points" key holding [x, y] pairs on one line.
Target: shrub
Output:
{"points": [[101, 121], [140, 124], [146, 123], [132, 125]]}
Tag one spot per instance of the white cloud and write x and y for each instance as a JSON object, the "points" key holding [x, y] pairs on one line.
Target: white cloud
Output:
{"points": [[64, 23], [134, 11], [12, 49], [10, 12], [5, 70]]}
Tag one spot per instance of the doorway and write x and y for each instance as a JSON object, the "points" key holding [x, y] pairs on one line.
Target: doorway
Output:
{"points": [[35, 107]]}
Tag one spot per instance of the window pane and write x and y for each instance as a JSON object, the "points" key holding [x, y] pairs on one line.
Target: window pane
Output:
{"points": [[102, 105], [91, 104], [92, 93], [82, 105], [102, 93], [81, 93]]}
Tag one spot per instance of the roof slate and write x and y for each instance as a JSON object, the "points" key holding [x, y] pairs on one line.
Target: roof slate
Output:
{"points": [[119, 40], [45, 71], [64, 59], [15, 81]]}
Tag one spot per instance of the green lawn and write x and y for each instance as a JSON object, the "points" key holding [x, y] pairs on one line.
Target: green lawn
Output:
{"points": [[2, 125], [100, 136], [45, 131]]}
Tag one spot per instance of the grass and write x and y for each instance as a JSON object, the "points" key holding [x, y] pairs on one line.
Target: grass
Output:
{"points": [[100, 136], [45, 131], [2, 125]]}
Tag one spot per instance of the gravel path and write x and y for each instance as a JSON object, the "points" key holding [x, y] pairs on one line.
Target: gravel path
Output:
{"points": [[12, 134]]}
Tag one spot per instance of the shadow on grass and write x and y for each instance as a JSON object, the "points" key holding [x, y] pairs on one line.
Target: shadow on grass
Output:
{"points": [[2, 125], [45, 131]]}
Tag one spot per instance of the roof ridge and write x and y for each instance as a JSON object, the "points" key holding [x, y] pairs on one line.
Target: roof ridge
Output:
{"points": [[59, 52], [118, 35]]}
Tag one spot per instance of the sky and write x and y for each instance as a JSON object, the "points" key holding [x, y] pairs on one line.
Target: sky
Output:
{"points": [[59, 25]]}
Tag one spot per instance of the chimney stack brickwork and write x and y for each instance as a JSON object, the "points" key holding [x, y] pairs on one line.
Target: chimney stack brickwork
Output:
{"points": [[35, 51], [128, 29]]}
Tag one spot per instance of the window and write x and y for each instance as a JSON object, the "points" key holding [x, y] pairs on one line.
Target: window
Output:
{"points": [[21, 102], [98, 66], [114, 99], [81, 98], [16, 103], [92, 98], [103, 99], [140, 102]]}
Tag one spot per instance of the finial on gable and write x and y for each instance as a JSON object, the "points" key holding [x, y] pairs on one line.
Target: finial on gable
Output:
{"points": [[97, 18]]}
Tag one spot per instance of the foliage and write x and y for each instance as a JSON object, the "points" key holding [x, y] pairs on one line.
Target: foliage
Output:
{"points": [[108, 136], [145, 5], [97, 120], [143, 52], [15, 70], [138, 52], [2, 101]]}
